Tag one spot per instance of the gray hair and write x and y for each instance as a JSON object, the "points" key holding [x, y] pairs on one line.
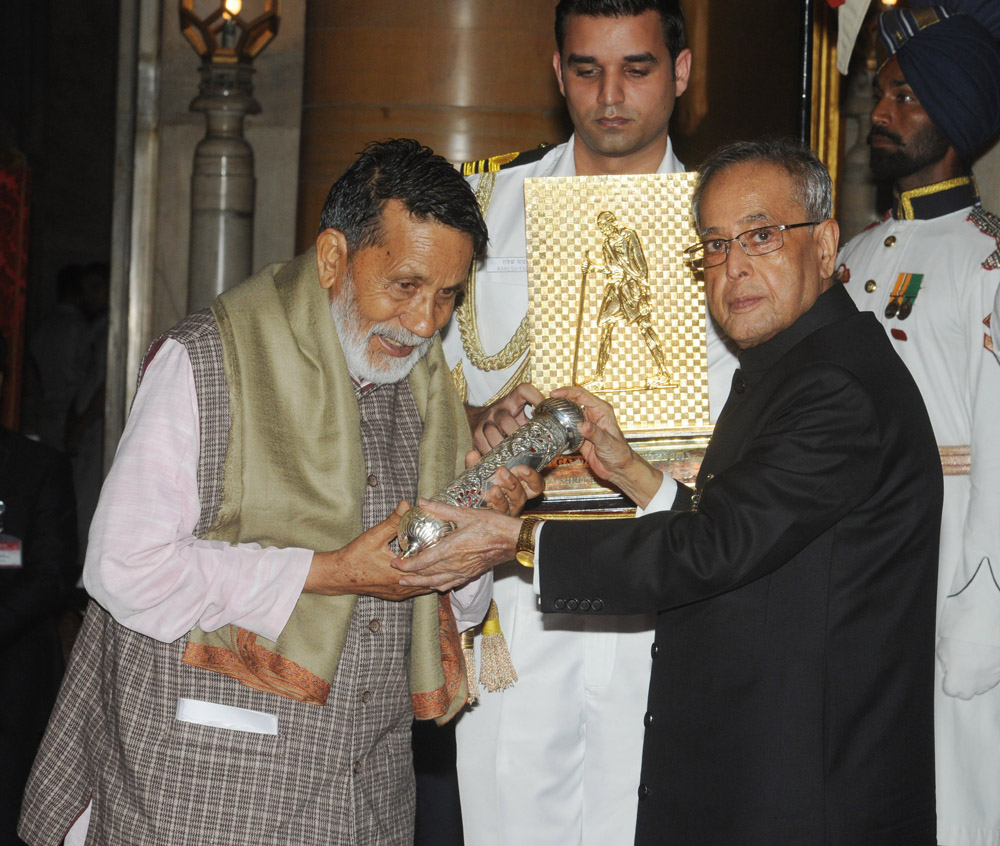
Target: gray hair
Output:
{"points": [[400, 169], [813, 188]]}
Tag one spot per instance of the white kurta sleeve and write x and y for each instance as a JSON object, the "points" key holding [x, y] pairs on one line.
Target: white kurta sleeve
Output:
{"points": [[470, 602], [144, 564]]}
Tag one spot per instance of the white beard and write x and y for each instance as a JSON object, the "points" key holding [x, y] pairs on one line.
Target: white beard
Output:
{"points": [[383, 369]]}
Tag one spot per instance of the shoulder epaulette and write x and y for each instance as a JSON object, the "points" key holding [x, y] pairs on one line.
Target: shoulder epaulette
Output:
{"points": [[495, 163], [989, 224], [880, 221]]}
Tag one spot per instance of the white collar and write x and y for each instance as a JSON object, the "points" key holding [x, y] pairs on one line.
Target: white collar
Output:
{"points": [[565, 164]]}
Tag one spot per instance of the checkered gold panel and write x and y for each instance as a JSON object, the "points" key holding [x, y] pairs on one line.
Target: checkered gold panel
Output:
{"points": [[620, 282]]}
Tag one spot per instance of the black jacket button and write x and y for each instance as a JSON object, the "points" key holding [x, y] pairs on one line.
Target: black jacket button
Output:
{"points": [[648, 719], [653, 650], [597, 605], [571, 605], [584, 604], [559, 604], [643, 792]]}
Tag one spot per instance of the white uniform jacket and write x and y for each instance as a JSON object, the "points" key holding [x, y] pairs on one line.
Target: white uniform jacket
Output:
{"points": [[556, 758], [929, 273], [995, 324]]}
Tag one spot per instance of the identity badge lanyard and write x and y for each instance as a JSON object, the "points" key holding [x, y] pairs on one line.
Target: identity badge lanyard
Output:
{"points": [[10, 547]]}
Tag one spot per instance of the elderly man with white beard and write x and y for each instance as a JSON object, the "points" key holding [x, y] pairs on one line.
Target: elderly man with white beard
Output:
{"points": [[250, 667]]}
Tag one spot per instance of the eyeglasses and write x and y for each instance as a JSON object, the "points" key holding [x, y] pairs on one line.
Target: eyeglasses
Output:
{"points": [[755, 242]]}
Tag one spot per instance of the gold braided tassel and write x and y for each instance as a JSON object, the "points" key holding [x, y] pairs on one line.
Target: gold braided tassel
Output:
{"points": [[496, 672], [468, 638]]}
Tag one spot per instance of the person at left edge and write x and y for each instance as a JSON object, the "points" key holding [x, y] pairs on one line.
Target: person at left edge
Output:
{"points": [[36, 579], [250, 668]]}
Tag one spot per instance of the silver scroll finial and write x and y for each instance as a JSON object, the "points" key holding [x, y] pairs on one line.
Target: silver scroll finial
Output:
{"points": [[550, 433]]}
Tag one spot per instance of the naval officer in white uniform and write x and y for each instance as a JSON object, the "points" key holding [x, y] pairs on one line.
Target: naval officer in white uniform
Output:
{"points": [[555, 759]]}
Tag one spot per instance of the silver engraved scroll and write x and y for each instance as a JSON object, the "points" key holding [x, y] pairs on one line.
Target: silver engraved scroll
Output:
{"points": [[550, 433]]}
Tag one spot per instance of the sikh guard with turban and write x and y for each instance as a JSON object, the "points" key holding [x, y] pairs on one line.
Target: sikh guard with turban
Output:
{"points": [[929, 272]]}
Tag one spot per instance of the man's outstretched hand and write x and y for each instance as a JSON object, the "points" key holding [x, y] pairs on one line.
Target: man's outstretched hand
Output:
{"points": [[483, 538], [364, 566], [606, 451]]}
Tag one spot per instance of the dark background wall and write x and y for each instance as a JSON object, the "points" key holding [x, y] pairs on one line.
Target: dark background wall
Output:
{"points": [[747, 74], [58, 62], [490, 92]]}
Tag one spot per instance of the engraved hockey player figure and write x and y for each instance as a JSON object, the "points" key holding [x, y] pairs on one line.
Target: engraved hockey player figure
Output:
{"points": [[626, 298]]}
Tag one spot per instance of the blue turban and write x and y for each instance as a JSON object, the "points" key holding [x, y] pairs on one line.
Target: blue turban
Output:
{"points": [[950, 57]]}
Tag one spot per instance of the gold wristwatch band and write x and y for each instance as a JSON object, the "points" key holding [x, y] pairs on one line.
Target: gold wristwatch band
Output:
{"points": [[524, 552]]}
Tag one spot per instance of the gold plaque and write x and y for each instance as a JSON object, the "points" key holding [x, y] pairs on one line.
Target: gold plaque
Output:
{"points": [[612, 305], [614, 308]]}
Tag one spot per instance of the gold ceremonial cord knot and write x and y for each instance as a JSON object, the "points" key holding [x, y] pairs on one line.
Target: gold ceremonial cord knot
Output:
{"points": [[468, 321], [491, 627], [468, 326]]}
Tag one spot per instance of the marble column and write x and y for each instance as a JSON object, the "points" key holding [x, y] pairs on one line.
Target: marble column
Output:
{"points": [[222, 184], [856, 203], [469, 78]]}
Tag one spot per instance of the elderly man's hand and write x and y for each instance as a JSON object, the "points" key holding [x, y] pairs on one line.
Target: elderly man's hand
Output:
{"points": [[606, 451], [490, 424], [483, 539], [364, 566]]}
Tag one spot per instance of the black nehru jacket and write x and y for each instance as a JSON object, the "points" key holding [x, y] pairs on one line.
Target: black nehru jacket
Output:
{"points": [[791, 692]]}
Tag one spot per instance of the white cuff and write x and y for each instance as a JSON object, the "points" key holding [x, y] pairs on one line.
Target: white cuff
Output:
{"points": [[471, 602], [536, 581], [663, 499]]}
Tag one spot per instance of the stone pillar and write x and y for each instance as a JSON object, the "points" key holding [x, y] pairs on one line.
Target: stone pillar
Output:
{"points": [[856, 204], [987, 171], [468, 78], [222, 184]]}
